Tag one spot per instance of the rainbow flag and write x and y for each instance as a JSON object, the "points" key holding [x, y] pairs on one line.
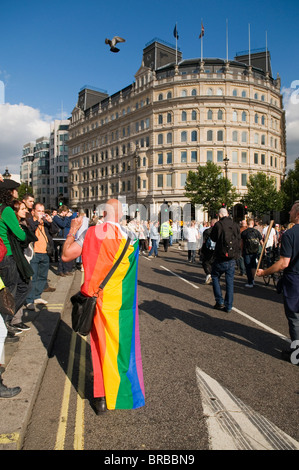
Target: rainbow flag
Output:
{"points": [[114, 339]]}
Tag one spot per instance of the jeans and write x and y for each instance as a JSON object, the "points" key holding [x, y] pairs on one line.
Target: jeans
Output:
{"points": [[11, 277], [250, 264], [227, 268], [293, 321], [154, 249], [40, 265]]}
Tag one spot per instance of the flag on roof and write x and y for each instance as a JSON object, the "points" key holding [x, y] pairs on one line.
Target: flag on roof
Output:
{"points": [[175, 32], [202, 31]]}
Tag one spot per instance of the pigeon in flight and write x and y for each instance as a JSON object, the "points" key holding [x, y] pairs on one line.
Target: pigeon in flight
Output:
{"points": [[114, 41]]}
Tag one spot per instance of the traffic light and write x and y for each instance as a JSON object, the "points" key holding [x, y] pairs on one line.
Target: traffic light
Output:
{"points": [[245, 210]]}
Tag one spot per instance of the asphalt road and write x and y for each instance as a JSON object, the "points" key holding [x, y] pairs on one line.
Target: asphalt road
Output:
{"points": [[181, 334]]}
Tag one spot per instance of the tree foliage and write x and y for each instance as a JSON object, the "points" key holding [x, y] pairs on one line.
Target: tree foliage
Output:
{"points": [[290, 186], [208, 187], [262, 195], [24, 189]]}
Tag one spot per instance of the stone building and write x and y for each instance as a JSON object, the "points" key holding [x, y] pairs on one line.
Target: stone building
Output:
{"points": [[139, 143]]}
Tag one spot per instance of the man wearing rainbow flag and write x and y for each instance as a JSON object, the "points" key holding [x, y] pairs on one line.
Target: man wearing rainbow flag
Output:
{"points": [[114, 338]]}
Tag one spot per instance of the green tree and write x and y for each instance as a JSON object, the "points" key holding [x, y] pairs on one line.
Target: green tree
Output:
{"points": [[262, 195], [290, 186], [208, 187], [24, 189]]}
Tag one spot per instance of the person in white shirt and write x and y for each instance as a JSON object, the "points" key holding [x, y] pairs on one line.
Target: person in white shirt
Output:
{"points": [[271, 243], [192, 238]]}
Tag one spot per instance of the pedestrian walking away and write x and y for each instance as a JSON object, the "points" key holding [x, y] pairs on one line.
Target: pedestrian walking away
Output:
{"points": [[226, 235], [114, 338], [251, 242]]}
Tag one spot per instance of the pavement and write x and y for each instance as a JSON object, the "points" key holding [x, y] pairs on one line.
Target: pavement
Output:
{"points": [[26, 360]]}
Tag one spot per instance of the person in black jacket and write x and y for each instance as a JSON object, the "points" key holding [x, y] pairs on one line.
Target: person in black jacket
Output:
{"points": [[44, 228], [226, 234]]}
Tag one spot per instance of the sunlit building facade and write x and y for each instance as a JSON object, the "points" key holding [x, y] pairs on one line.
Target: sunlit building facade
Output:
{"points": [[140, 143]]}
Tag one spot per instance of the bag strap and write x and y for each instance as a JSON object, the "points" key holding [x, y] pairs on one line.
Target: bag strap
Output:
{"points": [[116, 264]]}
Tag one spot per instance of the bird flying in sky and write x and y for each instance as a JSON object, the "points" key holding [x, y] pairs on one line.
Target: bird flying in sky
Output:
{"points": [[113, 42]]}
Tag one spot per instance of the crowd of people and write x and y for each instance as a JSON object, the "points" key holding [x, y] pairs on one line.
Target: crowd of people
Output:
{"points": [[34, 236]]}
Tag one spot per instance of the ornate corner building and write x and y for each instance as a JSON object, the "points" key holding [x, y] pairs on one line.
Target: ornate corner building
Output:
{"points": [[141, 142]]}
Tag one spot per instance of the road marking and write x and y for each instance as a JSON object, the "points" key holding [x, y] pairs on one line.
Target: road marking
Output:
{"points": [[79, 426], [232, 425], [261, 324], [182, 279], [60, 438], [9, 438]]}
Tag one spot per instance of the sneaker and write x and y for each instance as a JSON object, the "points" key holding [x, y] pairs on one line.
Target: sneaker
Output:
{"points": [[6, 392], [30, 307], [11, 338], [208, 279], [150, 257], [13, 329], [249, 285], [227, 310], [22, 326], [40, 301]]}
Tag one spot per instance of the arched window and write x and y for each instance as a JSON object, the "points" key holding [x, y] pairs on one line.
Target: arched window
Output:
{"points": [[220, 115], [160, 97], [219, 91], [184, 136], [169, 95], [194, 92], [193, 136], [244, 136], [256, 96], [210, 114], [194, 115], [169, 137], [169, 117], [209, 92], [235, 116], [244, 116], [235, 92], [263, 120], [160, 139], [160, 119], [209, 135], [219, 135], [235, 136], [243, 94], [184, 93], [184, 116], [256, 118]]}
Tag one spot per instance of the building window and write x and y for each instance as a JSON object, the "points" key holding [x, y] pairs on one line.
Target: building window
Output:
{"points": [[219, 155], [256, 118], [243, 94], [244, 136], [210, 135], [183, 179], [220, 92], [160, 119], [235, 92], [184, 136], [160, 97], [193, 156], [169, 157], [160, 139], [210, 92], [184, 93], [235, 179], [184, 116], [235, 156], [169, 95], [194, 115], [220, 114], [169, 181], [160, 158], [184, 156], [220, 136], [263, 120], [263, 140], [244, 179], [209, 155], [194, 136], [244, 157], [169, 137], [244, 116], [210, 114], [256, 158], [235, 116], [193, 92], [160, 181], [169, 119], [235, 136]]}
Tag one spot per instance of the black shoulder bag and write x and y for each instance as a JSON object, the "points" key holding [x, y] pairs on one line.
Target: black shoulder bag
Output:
{"points": [[84, 306]]}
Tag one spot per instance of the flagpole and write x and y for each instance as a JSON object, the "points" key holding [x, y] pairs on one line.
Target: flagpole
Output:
{"points": [[266, 53], [249, 43], [226, 40], [201, 47], [176, 45]]}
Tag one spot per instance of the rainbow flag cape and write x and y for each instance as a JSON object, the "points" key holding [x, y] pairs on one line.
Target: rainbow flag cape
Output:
{"points": [[114, 339]]}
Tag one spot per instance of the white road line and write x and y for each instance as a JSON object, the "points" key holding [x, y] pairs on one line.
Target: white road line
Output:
{"points": [[232, 425], [261, 324], [182, 279]]}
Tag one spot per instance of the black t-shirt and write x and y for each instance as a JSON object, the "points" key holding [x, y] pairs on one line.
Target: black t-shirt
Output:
{"points": [[290, 248]]}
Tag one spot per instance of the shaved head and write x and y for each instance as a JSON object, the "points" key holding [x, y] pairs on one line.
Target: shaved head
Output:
{"points": [[113, 210]]}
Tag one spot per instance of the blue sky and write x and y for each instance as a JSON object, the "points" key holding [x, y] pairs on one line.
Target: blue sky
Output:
{"points": [[49, 50]]}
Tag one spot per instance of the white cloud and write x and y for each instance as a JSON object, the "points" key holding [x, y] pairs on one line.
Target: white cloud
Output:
{"points": [[19, 124], [291, 106]]}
